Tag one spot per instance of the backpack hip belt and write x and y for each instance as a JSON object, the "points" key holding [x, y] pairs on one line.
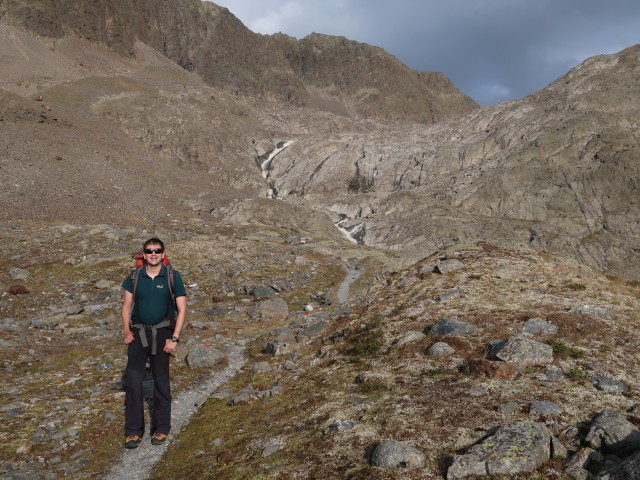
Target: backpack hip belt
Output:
{"points": [[154, 333]]}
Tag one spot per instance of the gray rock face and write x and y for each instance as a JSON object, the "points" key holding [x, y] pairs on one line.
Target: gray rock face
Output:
{"points": [[539, 326], [392, 454], [516, 448], [612, 431], [524, 351], [454, 327], [273, 309]]}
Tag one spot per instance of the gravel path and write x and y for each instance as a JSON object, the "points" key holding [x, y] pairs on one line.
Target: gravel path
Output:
{"points": [[138, 464], [353, 273]]}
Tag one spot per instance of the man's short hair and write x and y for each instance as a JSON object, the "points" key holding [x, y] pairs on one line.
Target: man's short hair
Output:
{"points": [[153, 241]]}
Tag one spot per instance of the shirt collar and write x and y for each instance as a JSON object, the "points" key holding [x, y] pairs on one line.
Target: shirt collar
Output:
{"points": [[163, 271]]}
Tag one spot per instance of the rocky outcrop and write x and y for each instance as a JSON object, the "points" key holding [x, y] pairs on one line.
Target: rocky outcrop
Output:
{"points": [[550, 172]]}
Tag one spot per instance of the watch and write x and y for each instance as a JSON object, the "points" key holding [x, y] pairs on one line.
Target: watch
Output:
{"points": [[175, 339]]}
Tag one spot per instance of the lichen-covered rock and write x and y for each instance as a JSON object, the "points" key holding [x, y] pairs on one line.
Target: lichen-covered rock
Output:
{"points": [[516, 448], [522, 350], [392, 454]]}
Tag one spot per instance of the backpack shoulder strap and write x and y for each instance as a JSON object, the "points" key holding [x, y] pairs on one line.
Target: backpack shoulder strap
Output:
{"points": [[171, 280], [134, 280]]}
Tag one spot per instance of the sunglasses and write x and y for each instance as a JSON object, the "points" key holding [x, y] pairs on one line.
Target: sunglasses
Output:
{"points": [[149, 251]]}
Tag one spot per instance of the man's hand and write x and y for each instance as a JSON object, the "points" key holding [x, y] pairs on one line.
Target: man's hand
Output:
{"points": [[128, 337], [170, 346]]}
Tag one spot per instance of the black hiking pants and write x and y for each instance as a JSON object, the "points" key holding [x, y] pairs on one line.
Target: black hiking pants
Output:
{"points": [[136, 369]]}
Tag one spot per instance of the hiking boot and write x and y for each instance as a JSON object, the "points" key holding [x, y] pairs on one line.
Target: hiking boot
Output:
{"points": [[158, 438], [132, 441]]}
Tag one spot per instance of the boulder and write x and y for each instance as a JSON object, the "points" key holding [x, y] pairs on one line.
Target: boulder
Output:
{"points": [[274, 309], [547, 409], [392, 454], [628, 469], [409, 337], [440, 349], [18, 273], [245, 395], [453, 327], [610, 386], [595, 311], [445, 266], [105, 284], [261, 292], [203, 356], [523, 351], [449, 295], [539, 326], [515, 448], [613, 432], [340, 426]]}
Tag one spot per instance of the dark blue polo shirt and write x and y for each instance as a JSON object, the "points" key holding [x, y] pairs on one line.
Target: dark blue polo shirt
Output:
{"points": [[153, 303]]}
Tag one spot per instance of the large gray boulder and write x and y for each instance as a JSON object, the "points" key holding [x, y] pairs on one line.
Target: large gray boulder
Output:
{"points": [[524, 351], [613, 432], [203, 356], [392, 454], [516, 448], [274, 309]]}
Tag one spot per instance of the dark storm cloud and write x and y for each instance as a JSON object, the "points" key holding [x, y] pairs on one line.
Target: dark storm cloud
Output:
{"points": [[493, 50]]}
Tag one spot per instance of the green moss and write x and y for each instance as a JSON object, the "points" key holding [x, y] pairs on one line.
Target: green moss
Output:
{"points": [[563, 350], [367, 344]]}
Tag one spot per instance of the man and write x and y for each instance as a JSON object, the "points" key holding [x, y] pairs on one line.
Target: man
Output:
{"points": [[146, 323]]}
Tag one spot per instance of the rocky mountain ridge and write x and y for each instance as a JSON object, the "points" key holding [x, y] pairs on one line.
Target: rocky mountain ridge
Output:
{"points": [[329, 73]]}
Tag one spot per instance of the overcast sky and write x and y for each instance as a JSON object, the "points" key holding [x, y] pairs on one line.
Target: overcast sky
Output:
{"points": [[493, 50]]}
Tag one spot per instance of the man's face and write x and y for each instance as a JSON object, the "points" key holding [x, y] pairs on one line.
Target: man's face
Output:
{"points": [[153, 254]]}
